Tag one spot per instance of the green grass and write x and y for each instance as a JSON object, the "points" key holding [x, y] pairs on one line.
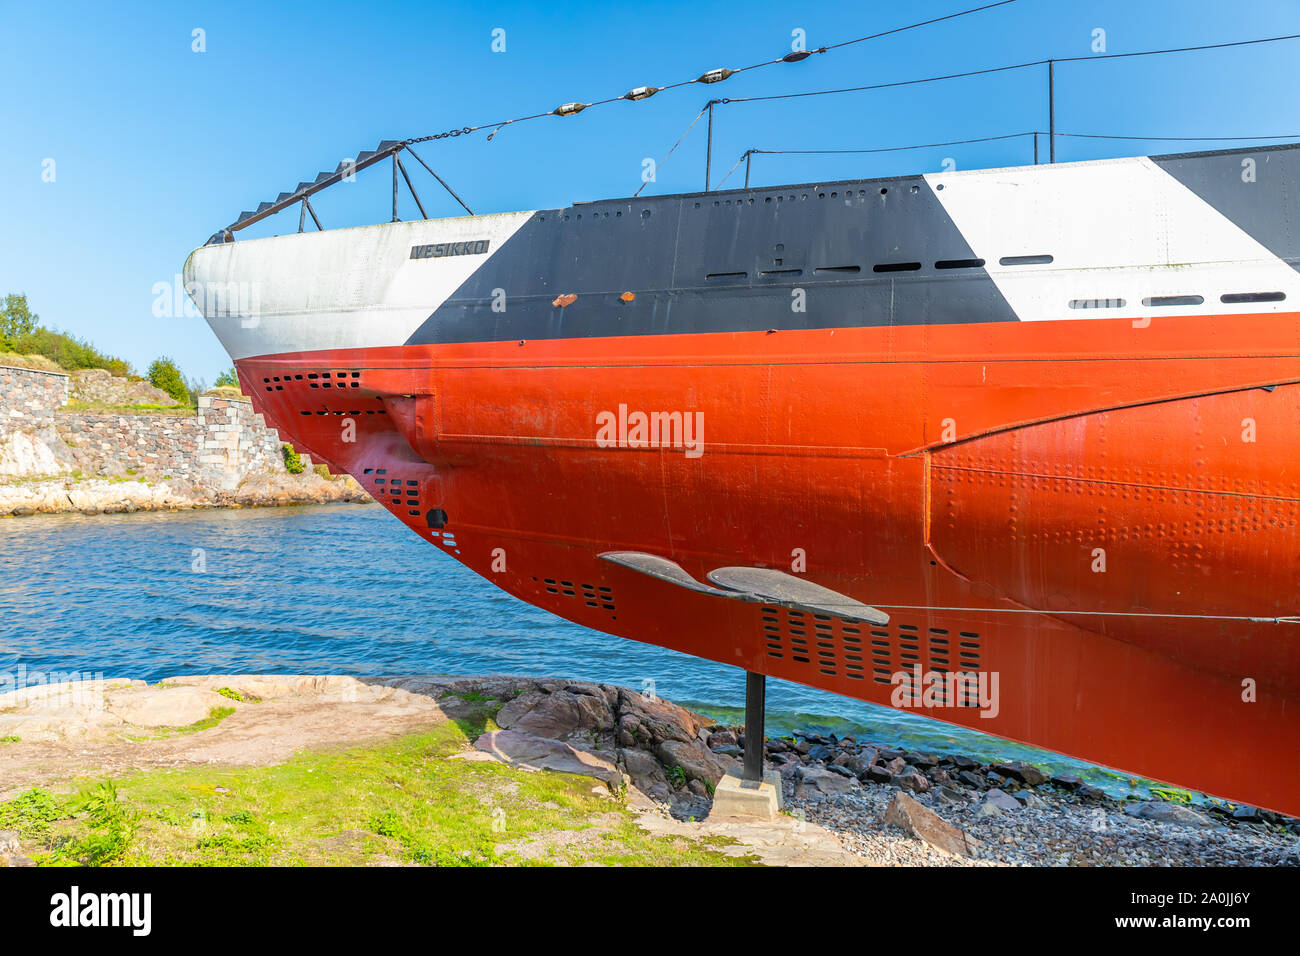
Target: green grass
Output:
{"points": [[107, 835], [104, 408], [10, 739], [399, 801], [236, 695], [215, 716], [10, 480], [31, 814]]}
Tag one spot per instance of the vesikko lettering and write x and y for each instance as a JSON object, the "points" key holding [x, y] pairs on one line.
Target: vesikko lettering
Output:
{"points": [[438, 250]]}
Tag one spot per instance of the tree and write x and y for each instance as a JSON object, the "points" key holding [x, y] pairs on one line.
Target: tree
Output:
{"points": [[227, 379], [164, 374], [17, 319], [292, 460], [194, 389], [21, 331]]}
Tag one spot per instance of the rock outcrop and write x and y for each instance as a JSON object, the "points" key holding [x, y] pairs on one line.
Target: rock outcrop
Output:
{"points": [[108, 496], [97, 386], [33, 451], [660, 747], [543, 753]]}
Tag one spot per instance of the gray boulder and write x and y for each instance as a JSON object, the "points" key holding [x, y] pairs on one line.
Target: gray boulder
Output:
{"points": [[948, 794], [1001, 800], [646, 773], [926, 825], [1018, 770], [824, 781], [696, 760], [855, 763], [1160, 812], [968, 778], [722, 738], [911, 781]]}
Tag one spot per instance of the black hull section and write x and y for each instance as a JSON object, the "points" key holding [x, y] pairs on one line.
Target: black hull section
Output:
{"points": [[803, 257]]}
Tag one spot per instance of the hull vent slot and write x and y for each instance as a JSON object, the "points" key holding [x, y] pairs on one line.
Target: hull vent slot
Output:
{"points": [[833, 647], [828, 644], [330, 379], [597, 597]]}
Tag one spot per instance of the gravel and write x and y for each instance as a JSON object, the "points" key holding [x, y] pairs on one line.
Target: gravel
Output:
{"points": [[1058, 829]]}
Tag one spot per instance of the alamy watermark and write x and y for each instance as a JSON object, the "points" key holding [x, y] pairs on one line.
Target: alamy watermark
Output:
{"points": [[133, 911], [634, 429], [213, 300], [81, 689], [941, 689]]}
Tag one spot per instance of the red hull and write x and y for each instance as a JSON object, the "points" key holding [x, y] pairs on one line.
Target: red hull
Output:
{"points": [[962, 477]]}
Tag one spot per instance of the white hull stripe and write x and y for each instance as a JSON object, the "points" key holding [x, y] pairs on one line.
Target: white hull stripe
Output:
{"points": [[343, 288], [1116, 230]]}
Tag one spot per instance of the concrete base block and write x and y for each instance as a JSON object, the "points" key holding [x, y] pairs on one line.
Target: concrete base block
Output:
{"points": [[737, 797]]}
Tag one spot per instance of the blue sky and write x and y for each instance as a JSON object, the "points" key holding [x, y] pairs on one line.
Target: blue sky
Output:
{"points": [[156, 146]]}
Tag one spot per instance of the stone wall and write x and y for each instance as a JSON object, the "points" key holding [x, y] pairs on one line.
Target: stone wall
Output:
{"points": [[29, 444], [28, 398], [217, 448], [235, 438]]}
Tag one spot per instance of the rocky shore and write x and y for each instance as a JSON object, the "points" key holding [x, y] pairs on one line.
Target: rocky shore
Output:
{"points": [[125, 495], [1013, 813], [847, 801]]}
